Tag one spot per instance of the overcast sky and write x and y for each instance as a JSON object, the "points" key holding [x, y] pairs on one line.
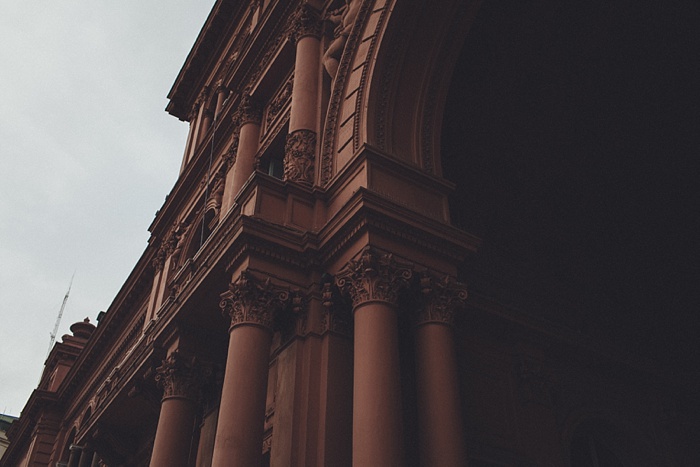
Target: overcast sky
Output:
{"points": [[87, 155]]}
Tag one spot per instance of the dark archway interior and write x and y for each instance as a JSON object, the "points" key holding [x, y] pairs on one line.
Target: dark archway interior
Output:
{"points": [[569, 131]]}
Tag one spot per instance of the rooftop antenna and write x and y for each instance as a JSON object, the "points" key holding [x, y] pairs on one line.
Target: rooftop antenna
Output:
{"points": [[60, 315]]}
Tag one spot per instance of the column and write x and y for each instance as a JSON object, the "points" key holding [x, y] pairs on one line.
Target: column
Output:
{"points": [[252, 304], [300, 148], [441, 435], [248, 115], [181, 378], [221, 94], [86, 457], [373, 282], [95, 460], [74, 457]]}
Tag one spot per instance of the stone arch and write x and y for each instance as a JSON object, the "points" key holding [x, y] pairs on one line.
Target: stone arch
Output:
{"points": [[410, 79], [69, 441]]}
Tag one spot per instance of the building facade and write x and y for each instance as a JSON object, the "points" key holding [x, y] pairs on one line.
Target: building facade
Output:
{"points": [[313, 292]]}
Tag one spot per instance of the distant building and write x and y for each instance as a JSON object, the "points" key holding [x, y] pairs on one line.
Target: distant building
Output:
{"points": [[5, 421], [393, 242]]}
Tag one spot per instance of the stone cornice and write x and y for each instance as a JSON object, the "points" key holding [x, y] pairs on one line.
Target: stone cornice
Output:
{"points": [[367, 211], [224, 14]]}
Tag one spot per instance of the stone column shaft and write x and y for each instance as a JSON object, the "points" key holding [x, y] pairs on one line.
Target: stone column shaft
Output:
{"points": [[249, 114], [252, 304], [221, 93], [239, 430], [300, 149], [176, 424], [74, 457], [373, 282], [85, 458], [305, 91], [376, 421], [441, 433], [181, 378], [439, 413]]}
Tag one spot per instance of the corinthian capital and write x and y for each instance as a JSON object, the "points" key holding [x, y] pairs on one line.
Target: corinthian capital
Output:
{"points": [[249, 110], [250, 300], [182, 376], [441, 300], [374, 276], [305, 22]]}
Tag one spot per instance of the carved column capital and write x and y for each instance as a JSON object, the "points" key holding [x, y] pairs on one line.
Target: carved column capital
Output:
{"points": [[441, 300], [305, 22], [300, 156], [203, 96], [374, 276], [336, 317], [182, 376], [250, 300], [230, 156], [249, 111], [158, 260]]}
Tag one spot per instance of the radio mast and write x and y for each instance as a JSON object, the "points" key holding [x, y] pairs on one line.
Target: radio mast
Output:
{"points": [[60, 315]]}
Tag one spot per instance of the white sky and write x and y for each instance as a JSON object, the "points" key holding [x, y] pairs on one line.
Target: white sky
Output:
{"points": [[87, 155]]}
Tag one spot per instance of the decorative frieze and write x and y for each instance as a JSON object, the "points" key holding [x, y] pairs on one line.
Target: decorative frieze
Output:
{"points": [[442, 298], [250, 300], [182, 376], [374, 276], [279, 102], [299, 157], [306, 22]]}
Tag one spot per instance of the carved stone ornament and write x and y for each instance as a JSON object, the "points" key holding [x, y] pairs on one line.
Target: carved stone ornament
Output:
{"points": [[299, 157], [249, 111], [336, 317], [158, 260], [279, 102], [306, 22], [182, 376], [374, 276], [250, 300], [442, 298]]}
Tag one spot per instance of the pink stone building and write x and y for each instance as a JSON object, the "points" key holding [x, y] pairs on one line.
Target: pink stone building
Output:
{"points": [[386, 247]]}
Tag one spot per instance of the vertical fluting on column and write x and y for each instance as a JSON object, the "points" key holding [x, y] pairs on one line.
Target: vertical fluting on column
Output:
{"points": [[373, 282], [252, 304], [181, 378], [300, 149], [248, 116], [440, 426]]}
